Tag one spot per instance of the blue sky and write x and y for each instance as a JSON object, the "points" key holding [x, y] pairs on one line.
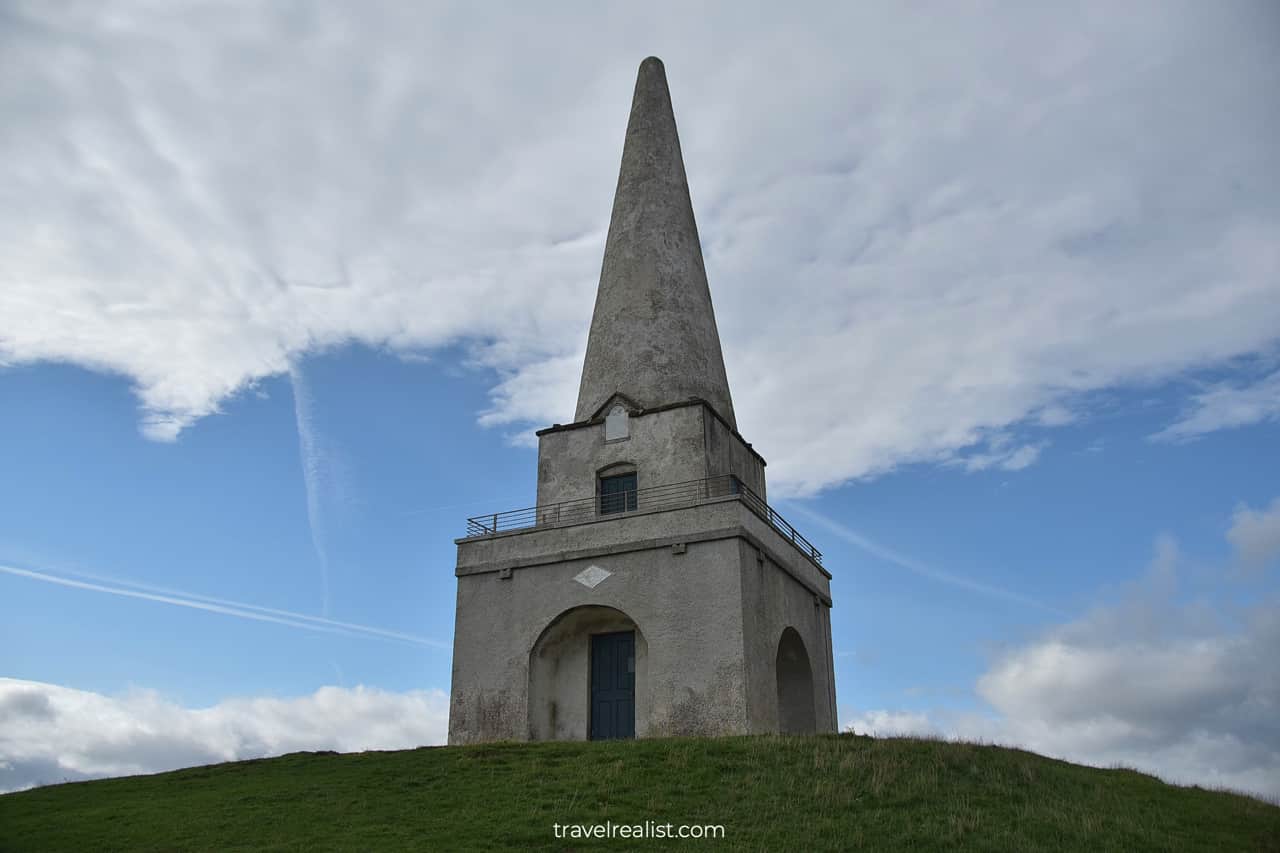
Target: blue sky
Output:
{"points": [[1000, 310]]}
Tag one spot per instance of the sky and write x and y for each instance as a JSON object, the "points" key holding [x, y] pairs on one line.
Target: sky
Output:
{"points": [[285, 290]]}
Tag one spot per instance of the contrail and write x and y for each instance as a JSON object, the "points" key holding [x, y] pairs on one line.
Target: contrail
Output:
{"points": [[226, 607], [310, 456], [871, 547]]}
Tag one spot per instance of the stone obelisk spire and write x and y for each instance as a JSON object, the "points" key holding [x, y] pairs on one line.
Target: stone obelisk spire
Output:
{"points": [[653, 334]]}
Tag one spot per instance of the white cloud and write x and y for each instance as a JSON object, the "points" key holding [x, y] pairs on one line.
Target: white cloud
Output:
{"points": [[1224, 405], [1001, 452], [883, 723], [1186, 691], [942, 240], [1255, 534], [50, 733]]}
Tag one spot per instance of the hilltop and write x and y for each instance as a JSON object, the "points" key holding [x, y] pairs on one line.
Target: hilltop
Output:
{"points": [[769, 793]]}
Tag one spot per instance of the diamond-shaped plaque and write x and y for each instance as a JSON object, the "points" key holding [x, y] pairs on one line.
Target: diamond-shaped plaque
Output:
{"points": [[592, 576]]}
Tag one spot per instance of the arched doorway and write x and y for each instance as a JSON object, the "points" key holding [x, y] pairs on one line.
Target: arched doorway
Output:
{"points": [[795, 686], [588, 677]]}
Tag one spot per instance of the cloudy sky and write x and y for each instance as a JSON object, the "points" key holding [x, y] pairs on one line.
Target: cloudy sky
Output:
{"points": [[285, 288]]}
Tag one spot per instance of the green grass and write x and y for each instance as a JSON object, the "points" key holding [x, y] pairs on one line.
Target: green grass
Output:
{"points": [[770, 793]]}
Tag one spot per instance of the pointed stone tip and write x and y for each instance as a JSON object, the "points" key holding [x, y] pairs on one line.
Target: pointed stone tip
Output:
{"points": [[653, 331]]}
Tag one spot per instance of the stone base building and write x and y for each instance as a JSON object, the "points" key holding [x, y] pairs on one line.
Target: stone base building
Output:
{"points": [[652, 590]]}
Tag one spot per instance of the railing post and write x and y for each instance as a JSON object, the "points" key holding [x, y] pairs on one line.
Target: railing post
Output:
{"points": [[495, 521]]}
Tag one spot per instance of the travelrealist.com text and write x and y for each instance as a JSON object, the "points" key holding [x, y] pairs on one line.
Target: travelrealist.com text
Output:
{"points": [[648, 829]]}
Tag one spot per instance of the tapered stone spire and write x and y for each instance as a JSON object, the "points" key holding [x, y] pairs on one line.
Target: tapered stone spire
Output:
{"points": [[653, 334]]}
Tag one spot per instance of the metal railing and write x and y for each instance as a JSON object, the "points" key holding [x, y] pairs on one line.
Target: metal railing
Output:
{"points": [[649, 499]]}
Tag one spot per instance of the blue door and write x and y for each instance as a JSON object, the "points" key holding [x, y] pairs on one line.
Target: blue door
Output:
{"points": [[613, 685]]}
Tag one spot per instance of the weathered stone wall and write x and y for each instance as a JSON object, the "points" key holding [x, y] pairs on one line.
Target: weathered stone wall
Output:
{"points": [[710, 619], [727, 453], [773, 600], [666, 447], [683, 605]]}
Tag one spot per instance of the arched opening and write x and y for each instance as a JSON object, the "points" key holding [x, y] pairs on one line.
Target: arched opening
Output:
{"points": [[588, 677], [795, 686]]}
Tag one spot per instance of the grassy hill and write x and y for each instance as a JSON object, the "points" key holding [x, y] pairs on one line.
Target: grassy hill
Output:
{"points": [[770, 793]]}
